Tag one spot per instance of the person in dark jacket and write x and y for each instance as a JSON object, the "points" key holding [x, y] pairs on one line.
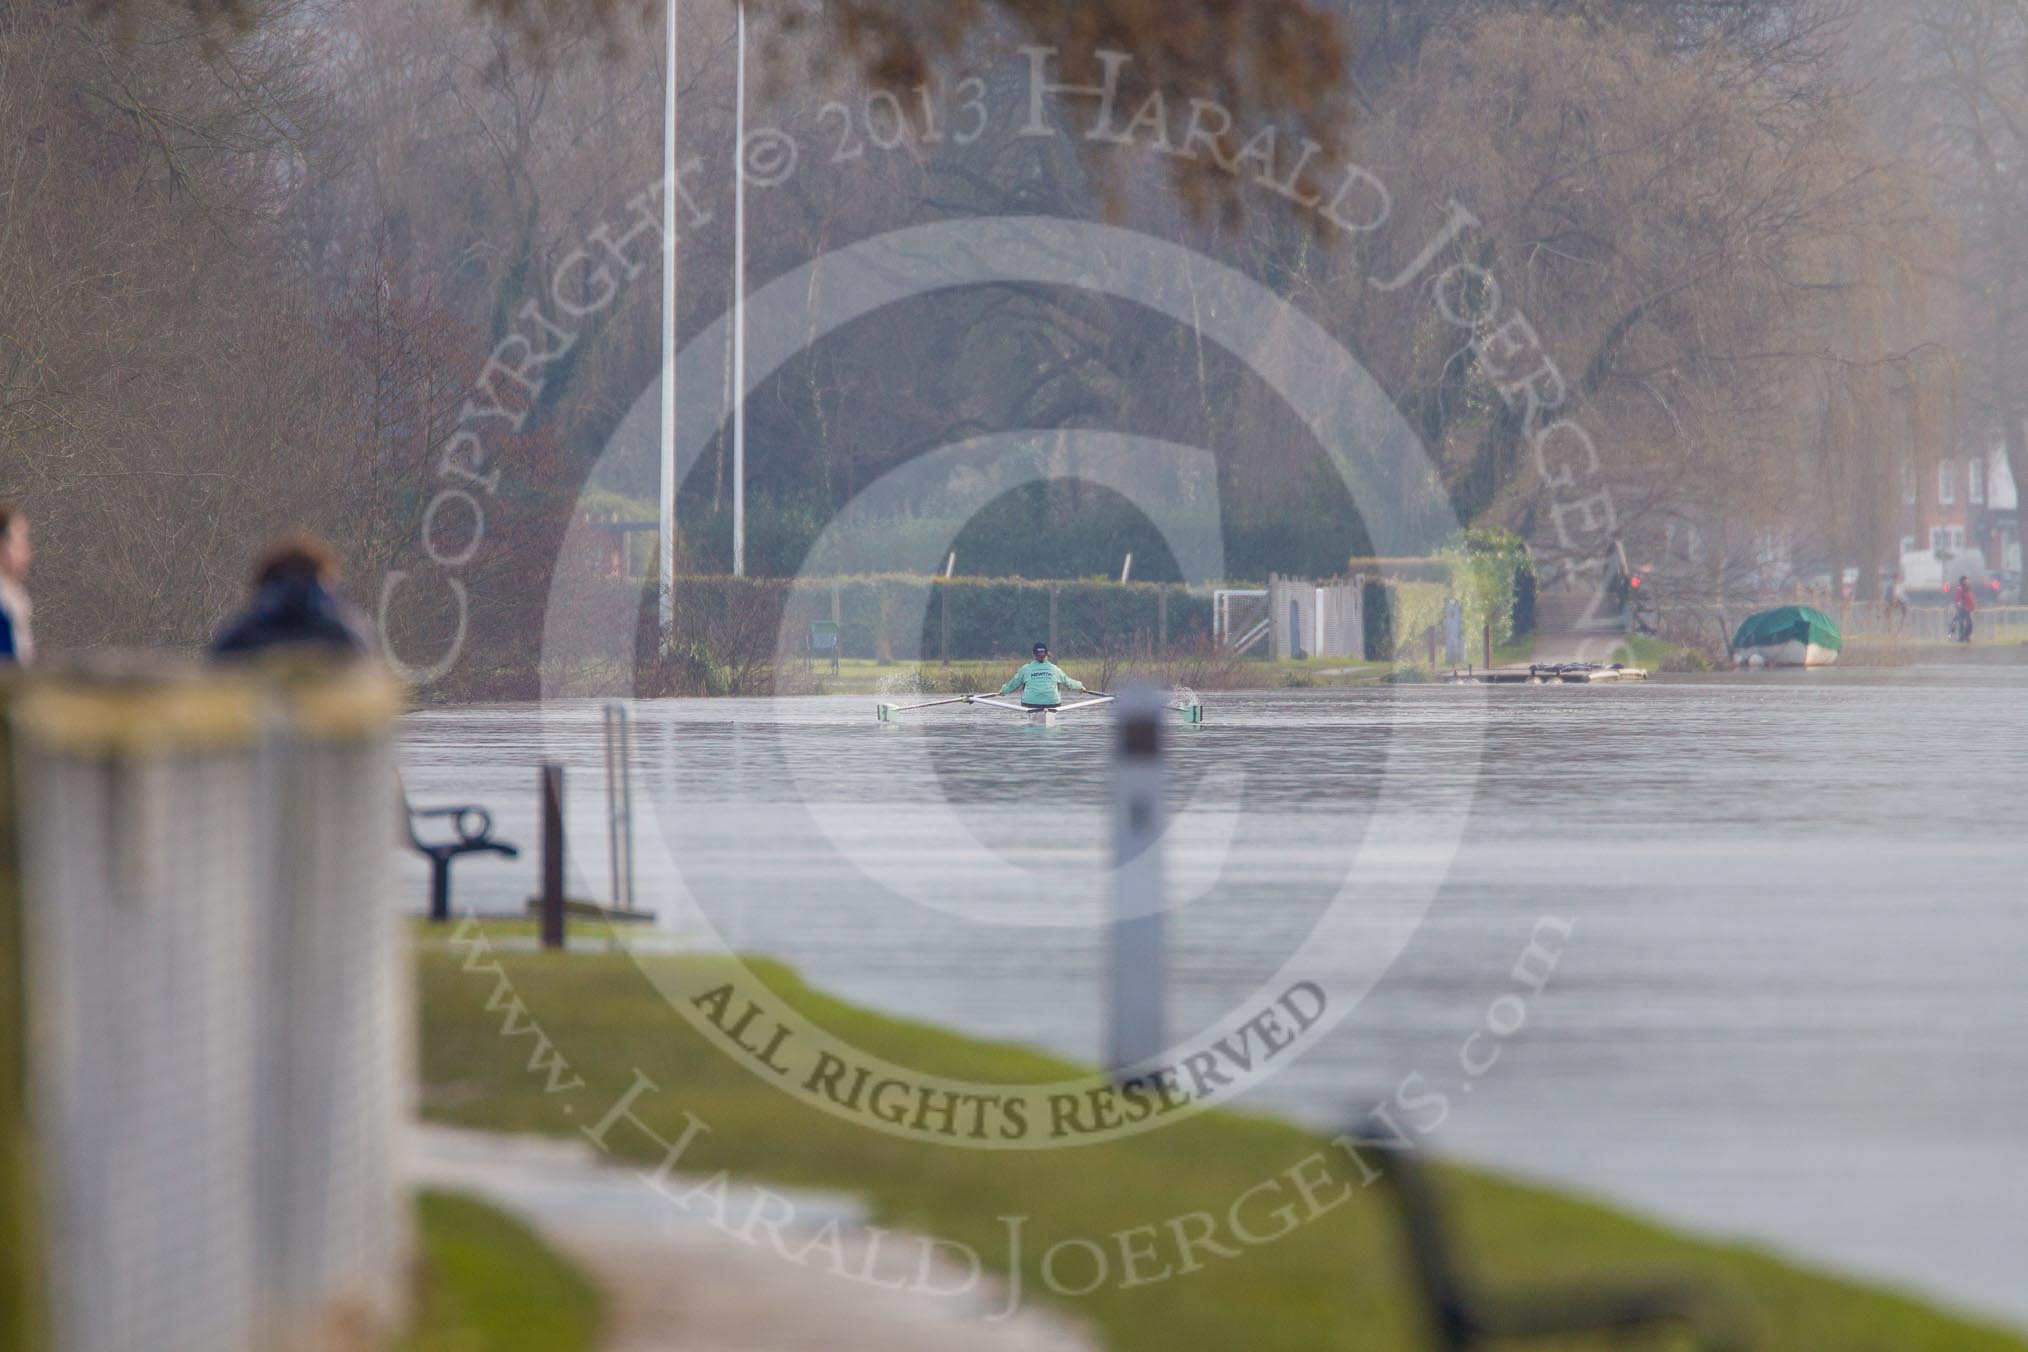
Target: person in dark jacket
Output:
{"points": [[295, 604], [17, 642]]}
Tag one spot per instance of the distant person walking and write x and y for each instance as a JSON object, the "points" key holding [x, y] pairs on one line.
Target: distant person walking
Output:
{"points": [[295, 604], [17, 641], [1967, 604]]}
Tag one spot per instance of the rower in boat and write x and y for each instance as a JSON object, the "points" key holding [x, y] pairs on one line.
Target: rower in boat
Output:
{"points": [[1038, 681]]}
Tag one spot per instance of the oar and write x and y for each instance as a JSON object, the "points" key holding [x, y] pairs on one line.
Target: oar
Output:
{"points": [[1192, 713], [888, 711]]}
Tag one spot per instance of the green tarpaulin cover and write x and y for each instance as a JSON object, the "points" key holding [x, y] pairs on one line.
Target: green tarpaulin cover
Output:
{"points": [[1789, 624]]}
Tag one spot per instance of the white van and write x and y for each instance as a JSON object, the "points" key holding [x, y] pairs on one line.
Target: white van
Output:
{"points": [[1927, 575]]}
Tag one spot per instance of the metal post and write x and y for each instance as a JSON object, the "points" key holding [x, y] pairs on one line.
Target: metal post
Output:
{"points": [[837, 624], [619, 730], [552, 855], [1052, 617], [1162, 622], [627, 805], [612, 803], [666, 544], [944, 615], [440, 889], [1136, 1033], [738, 307], [1489, 646], [1430, 634]]}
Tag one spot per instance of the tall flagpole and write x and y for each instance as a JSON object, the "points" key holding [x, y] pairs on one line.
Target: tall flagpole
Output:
{"points": [[739, 311], [667, 577]]}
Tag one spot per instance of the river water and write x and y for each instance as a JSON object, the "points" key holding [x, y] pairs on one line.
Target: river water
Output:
{"points": [[1789, 1004]]}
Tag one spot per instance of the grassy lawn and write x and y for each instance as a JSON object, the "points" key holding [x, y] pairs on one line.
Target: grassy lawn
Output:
{"points": [[1334, 1281], [489, 1285], [1654, 654]]}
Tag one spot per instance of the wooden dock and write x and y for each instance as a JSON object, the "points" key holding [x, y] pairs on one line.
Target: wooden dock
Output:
{"points": [[1562, 673]]}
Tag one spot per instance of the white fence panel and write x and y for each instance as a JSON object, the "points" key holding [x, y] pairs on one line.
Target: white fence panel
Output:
{"points": [[1313, 619], [335, 1062], [217, 1009], [141, 872]]}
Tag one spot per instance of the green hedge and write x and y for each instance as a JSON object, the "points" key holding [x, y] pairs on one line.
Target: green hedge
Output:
{"points": [[1489, 572], [1397, 615], [988, 617], [1434, 569], [1376, 613], [1062, 528], [1486, 576]]}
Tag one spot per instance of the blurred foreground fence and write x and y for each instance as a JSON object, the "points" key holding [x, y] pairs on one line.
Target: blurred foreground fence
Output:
{"points": [[206, 1012]]}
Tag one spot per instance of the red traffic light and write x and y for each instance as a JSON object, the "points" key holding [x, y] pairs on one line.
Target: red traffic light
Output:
{"points": [[1633, 582]]}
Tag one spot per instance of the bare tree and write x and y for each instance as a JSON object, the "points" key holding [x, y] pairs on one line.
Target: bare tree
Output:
{"points": [[1951, 81]]}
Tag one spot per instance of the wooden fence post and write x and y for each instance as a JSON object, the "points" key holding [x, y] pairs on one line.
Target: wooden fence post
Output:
{"points": [[552, 855]]}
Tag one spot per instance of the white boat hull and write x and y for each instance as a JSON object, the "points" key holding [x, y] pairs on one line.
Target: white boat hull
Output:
{"points": [[1794, 653], [1037, 715], [1193, 714]]}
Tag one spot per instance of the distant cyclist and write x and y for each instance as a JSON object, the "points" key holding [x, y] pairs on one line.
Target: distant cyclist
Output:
{"points": [[1037, 681], [1967, 603]]}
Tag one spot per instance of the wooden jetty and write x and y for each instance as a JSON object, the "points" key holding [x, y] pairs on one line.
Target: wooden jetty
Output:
{"points": [[1560, 673]]}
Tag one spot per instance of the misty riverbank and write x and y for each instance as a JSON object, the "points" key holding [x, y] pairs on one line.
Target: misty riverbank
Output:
{"points": [[1892, 653], [1787, 960]]}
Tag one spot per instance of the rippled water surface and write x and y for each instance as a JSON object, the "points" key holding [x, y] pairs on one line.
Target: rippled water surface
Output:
{"points": [[1791, 1004]]}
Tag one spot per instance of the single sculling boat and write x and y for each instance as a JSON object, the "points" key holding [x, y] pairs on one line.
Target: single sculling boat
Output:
{"points": [[1042, 715]]}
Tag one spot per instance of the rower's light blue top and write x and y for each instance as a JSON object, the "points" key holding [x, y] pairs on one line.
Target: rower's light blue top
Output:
{"points": [[1037, 683]]}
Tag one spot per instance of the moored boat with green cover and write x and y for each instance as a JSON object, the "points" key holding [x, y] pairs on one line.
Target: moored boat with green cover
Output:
{"points": [[1788, 636]]}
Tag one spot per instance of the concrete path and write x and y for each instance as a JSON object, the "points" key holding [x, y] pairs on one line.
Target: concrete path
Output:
{"points": [[717, 1275], [1569, 629]]}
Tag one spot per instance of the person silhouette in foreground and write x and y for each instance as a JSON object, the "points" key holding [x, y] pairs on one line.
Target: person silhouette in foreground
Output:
{"points": [[295, 604], [17, 644], [1037, 681]]}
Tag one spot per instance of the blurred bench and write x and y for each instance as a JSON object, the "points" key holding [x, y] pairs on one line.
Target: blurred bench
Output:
{"points": [[1463, 1316], [473, 834]]}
